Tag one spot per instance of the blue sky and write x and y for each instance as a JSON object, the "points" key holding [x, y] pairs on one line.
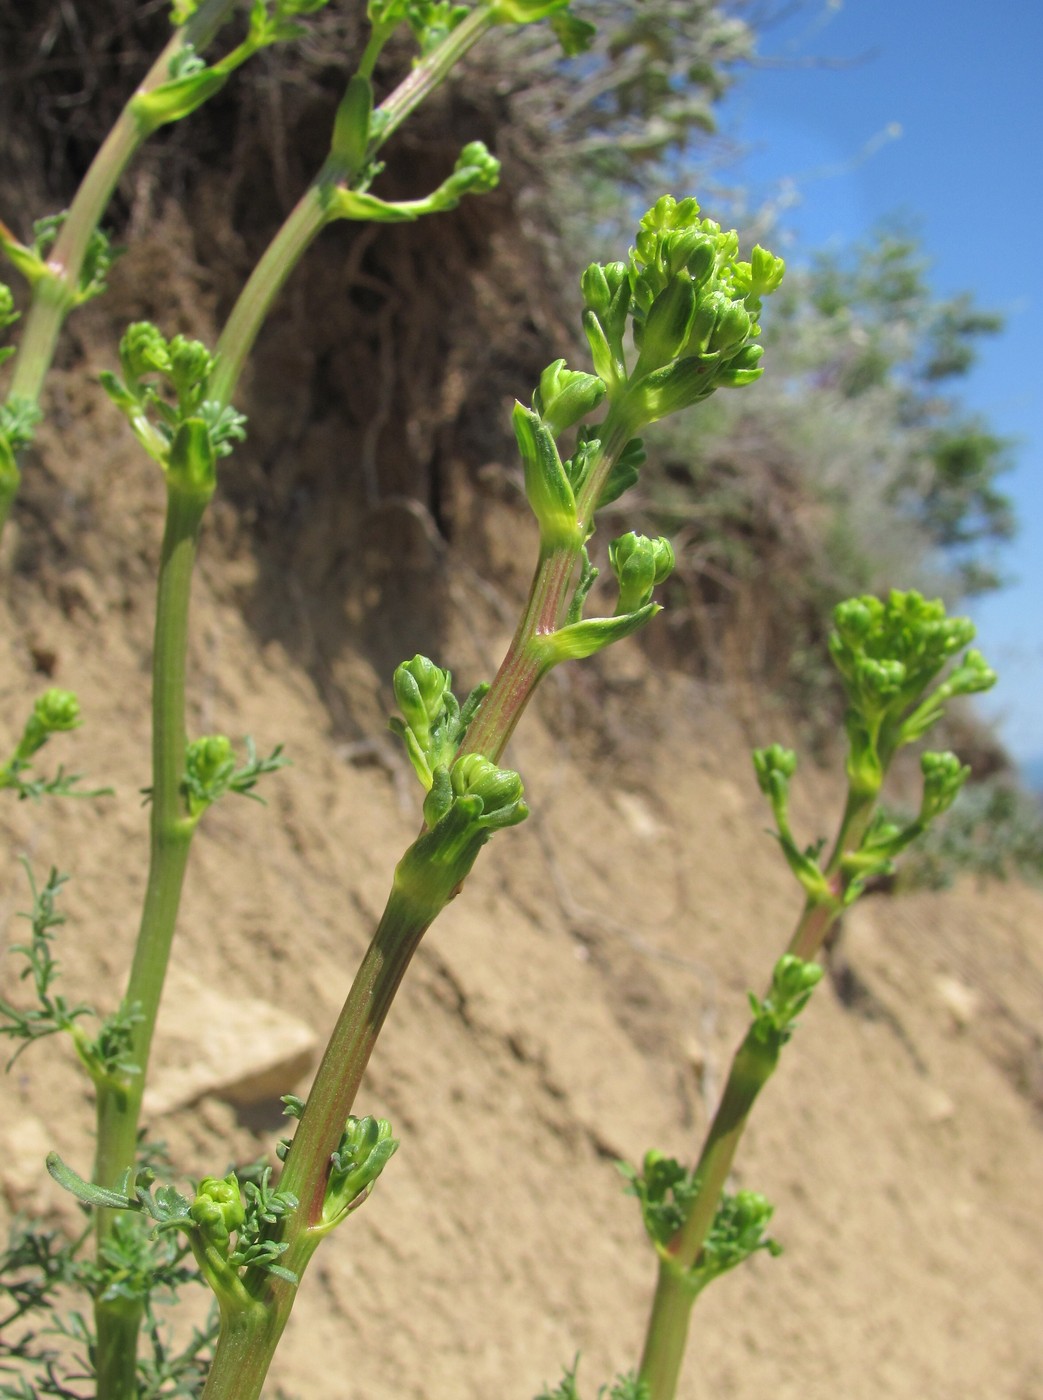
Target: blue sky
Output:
{"points": [[935, 115]]}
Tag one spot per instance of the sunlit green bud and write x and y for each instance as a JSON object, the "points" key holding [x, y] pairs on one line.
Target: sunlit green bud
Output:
{"points": [[57, 710], [365, 1148], [702, 260], [181, 11], [190, 366], [736, 1233], [639, 564], [670, 213], [668, 324], [384, 13], [972, 675], [731, 328], [209, 759], [688, 251], [578, 640], [191, 463], [668, 390], [351, 124], [473, 775], [792, 982], [606, 364], [793, 979], [741, 369], [760, 276], [143, 350], [595, 289], [768, 271], [856, 617], [547, 485], [565, 396], [958, 631], [218, 1209], [712, 305], [524, 11], [605, 288], [879, 681], [439, 797], [774, 767], [420, 693], [476, 172], [577, 467], [943, 777], [8, 315]]}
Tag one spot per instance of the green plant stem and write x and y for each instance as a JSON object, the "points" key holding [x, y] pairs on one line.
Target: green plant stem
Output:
{"points": [[421, 889], [545, 611], [667, 1331], [248, 1342], [170, 833], [313, 210], [667, 1335], [55, 295], [430, 72]]}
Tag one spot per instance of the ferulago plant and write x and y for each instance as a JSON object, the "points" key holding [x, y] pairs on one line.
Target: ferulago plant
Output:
{"points": [[667, 325]]}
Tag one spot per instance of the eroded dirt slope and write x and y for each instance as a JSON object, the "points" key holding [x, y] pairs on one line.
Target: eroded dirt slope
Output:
{"points": [[578, 1003]]}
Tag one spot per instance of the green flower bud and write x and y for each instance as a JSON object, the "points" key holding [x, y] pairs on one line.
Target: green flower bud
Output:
{"points": [[524, 11], [712, 305], [667, 326], [943, 777], [741, 369], [736, 1233], [476, 172], [731, 328], [606, 292], [420, 689], [565, 396], [8, 315], [855, 618], [500, 789], [792, 982], [209, 759], [218, 1209], [191, 364], [774, 767], [639, 564], [143, 350], [973, 675], [57, 710], [879, 682], [668, 390], [761, 275], [547, 485], [578, 640], [365, 1148], [768, 271], [607, 364]]}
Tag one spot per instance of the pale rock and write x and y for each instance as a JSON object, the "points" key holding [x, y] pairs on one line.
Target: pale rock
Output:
{"points": [[24, 1144], [938, 1107], [209, 1042], [963, 1003], [638, 815]]}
